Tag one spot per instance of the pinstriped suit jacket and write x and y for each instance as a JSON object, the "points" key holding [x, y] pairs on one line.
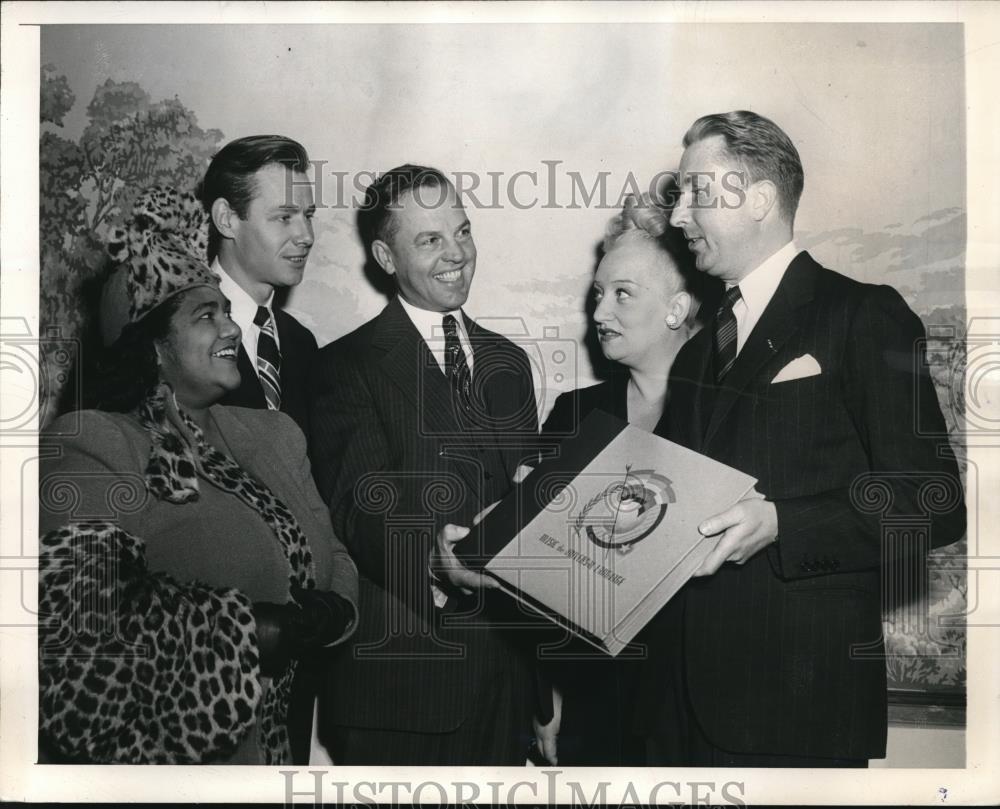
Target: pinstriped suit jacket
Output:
{"points": [[783, 654], [394, 463]]}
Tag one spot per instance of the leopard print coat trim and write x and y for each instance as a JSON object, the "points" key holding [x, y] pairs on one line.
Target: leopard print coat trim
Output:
{"points": [[178, 453], [135, 667]]}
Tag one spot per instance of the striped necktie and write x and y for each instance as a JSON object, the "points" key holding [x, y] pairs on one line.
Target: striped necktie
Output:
{"points": [[725, 333], [268, 358], [455, 366]]}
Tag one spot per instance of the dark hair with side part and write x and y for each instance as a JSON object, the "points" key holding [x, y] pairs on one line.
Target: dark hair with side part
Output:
{"points": [[762, 149], [375, 218], [230, 175], [127, 369]]}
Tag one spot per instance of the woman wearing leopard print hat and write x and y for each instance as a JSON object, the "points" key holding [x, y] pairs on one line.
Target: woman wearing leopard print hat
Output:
{"points": [[187, 560]]}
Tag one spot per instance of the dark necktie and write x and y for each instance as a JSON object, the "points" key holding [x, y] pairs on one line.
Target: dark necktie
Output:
{"points": [[268, 358], [725, 333], [455, 366]]}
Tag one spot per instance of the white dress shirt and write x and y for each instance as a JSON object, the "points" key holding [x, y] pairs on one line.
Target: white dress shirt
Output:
{"points": [[244, 310], [431, 328], [756, 290]]}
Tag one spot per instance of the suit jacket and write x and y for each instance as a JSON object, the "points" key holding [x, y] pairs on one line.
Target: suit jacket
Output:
{"points": [[217, 539], [394, 462], [784, 654], [298, 346]]}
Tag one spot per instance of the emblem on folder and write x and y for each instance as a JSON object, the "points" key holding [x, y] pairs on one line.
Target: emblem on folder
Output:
{"points": [[627, 511]]}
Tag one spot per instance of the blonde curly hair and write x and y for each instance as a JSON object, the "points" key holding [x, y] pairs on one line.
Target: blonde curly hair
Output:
{"points": [[643, 217]]}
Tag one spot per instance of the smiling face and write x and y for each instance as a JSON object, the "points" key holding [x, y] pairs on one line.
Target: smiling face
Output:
{"points": [[717, 222], [431, 251], [633, 288], [198, 355], [269, 248]]}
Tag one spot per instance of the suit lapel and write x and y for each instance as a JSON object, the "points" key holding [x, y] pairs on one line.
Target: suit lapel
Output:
{"points": [[245, 447], [289, 356], [252, 394], [496, 394], [241, 445], [690, 392], [777, 324], [409, 364]]}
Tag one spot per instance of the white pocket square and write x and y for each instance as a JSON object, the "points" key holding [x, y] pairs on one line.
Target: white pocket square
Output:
{"points": [[799, 368]]}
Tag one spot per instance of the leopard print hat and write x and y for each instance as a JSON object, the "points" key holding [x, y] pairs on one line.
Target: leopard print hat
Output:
{"points": [[160, 251]]}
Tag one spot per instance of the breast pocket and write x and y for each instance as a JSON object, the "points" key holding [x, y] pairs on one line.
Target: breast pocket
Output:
{"points": [[808, 387], [797, 425]]}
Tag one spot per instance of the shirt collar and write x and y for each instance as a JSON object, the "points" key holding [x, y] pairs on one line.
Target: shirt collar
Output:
{"points": [[244, 307], [758, 286], [429, 323]]}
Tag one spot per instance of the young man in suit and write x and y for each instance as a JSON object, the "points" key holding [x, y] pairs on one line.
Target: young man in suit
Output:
{"points": [[814, 384], [419, 418], [260, 200]]}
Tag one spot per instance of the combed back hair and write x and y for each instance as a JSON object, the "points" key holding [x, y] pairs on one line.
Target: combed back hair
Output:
{"points": [[375, 219], [761, 148], [230, 175], [642, 218]]}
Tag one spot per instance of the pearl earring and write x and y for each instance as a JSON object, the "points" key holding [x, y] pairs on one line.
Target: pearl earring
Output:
{"points": [[672, 321]]}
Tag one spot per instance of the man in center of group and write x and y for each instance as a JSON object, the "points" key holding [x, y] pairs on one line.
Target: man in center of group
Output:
{"points": [[419, 418]]}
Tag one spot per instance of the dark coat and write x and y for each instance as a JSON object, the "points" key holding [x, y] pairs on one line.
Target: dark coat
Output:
{"points": [[394, 462], [784, 654]]}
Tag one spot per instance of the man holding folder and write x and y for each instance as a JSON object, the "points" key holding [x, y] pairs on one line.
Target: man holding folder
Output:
{"points": [[772, 655]]}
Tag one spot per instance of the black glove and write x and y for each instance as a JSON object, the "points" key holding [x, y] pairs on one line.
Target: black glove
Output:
{"points": [[322, 619], [272, 640], [284, 631]]}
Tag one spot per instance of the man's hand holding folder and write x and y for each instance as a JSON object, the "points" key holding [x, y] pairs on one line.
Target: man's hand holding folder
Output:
{"points": [[445, 565], [743, 530]]}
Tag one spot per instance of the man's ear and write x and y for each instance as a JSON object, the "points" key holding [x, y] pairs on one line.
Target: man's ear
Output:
{"points": [[383, 255], [225, 218], [763, 198]]}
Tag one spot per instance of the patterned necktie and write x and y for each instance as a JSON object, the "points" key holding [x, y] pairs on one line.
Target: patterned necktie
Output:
{"points": [[455, 366], [725, 333], [268, 358]]}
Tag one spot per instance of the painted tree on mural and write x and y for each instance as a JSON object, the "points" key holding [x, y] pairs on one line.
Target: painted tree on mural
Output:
{"points": [[87, 187]]}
